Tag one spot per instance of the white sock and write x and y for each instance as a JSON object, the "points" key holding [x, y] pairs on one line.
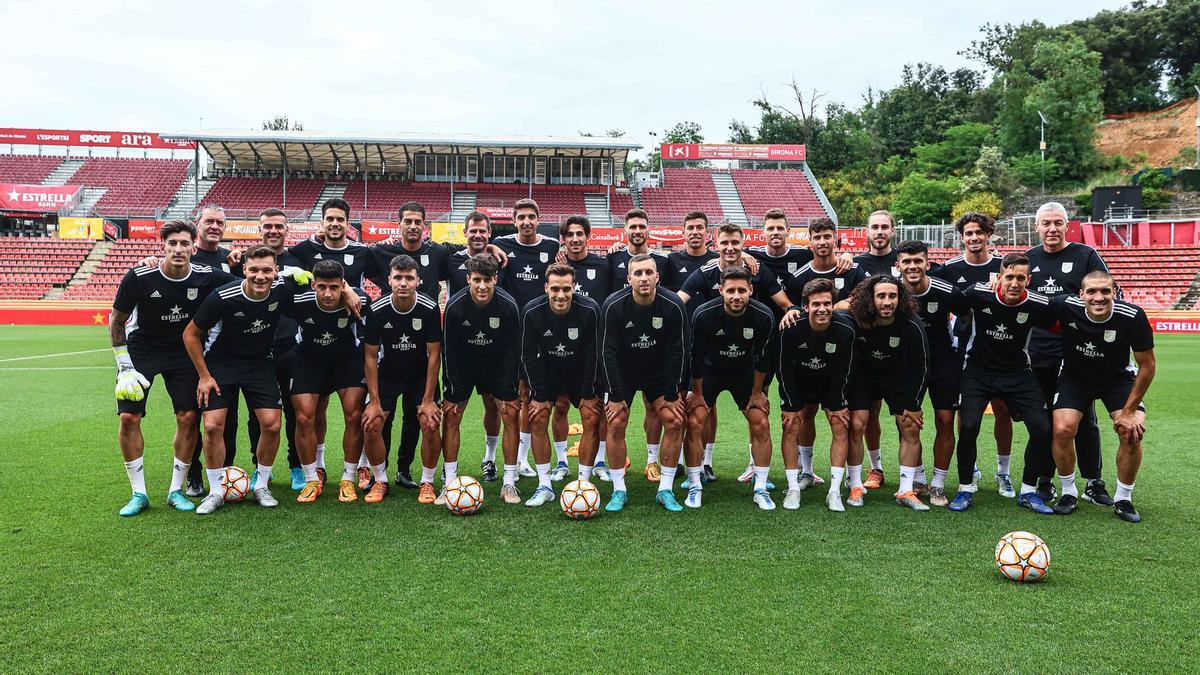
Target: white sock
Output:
{"points": [[348, 469], [215, 479], [310, 472], [380, 472], [666, 480], [362, 462], [264, 476], [137, 476], [427, 474], [708, 452], [560, 451], [1026, 488], [602, 453], [543, 472], [906, 478], [836, 474], [855, 475], [876, 459], [651, 453], [919, 476], [523, 448], [694, 477], [510, 474], [939, 477], [320, 455], [793, 478], [1068, 485], [806, 453], [760, 477], [1002, 463], [1124, 492], [489, 448], [618, 479], [179, 472], [451, 469], [585, 472]]}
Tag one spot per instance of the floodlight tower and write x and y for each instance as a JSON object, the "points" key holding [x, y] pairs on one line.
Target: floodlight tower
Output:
{"points": [[1042, 145]]}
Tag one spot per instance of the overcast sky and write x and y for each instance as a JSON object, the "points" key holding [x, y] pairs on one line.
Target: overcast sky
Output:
{"points": [[478, 67]]}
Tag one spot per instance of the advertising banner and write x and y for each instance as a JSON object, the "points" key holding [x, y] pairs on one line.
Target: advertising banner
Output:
{"points": [[1175, 322], [767, 153], [603, 237], [797, 236], [666, 234], [22, 197], [447, 233], [144, 228], [378, 230], [81, 228], [242, 229], [94, 139]]}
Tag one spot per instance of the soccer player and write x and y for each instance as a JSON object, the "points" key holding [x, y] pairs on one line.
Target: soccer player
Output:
{"points": [[681, 264], [355, 258], [997, 365], [978, 265], [781, 257], [643, 337], [559, 357], [414, 242], [402, 354], [705, 283], [152, 306], [815, 355], [822, 239], [1098, 332], [210, 228], [880, 258], [732, 349], [483, 342], [891, 364], [328, 360], [1058, 267], [239, 320], [936, 300]]}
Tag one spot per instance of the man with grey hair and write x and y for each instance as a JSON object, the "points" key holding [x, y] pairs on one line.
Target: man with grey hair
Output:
{"points": [[1058, 267]]}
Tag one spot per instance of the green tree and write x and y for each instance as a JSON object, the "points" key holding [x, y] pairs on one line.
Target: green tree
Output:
{"points": [[992, 173], [282, 123], [1181, 45], [956, 153], [919, 199], [1131, 46], [978, 202], [928, 101]]}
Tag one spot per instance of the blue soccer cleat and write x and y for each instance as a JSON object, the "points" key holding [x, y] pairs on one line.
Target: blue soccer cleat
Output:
{"points": [[179, 501], [617, 501], [298, 479], [762, 498], [962, 501], [137, 503], [667, 499], [1033, 502]]}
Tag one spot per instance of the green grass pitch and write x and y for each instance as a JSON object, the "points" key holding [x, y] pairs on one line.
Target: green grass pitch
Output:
{"points": [[399, 586]]}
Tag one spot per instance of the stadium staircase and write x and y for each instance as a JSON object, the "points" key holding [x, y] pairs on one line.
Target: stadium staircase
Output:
{"points": [[63, 172], [187, 197], [597, 209], [89, 265], [87, 201], [462, 204], [1190, 299], [731, 202], [330, 191]]}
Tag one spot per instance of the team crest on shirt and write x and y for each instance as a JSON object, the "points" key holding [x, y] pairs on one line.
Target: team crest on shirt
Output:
{"points": [[424, 260], [1110, 336], [591, 274], [893, 342], [572, 333], [895, 271], [792, 267], [992, 277], [271, 307], [224, 267], [931, 307], [349, 258], [748, 333], [656, 321], [342, 322], [839, 283], [416, 324], [1068, 266], [193, 293], [494, 322], [830, 348], [544, 257], [1022, 317]]}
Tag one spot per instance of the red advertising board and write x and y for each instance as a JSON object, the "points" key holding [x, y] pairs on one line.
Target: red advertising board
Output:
{"points": [[1175, 322], [20, 197], [767, 153], [94, 139], [666, 234], [603, 237], [144, 228], [378, 230]]}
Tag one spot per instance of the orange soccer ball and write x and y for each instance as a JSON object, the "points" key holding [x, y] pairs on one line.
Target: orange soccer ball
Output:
{"points": [[580, 500], [235, 483], [464, 496], [1023, 557]]}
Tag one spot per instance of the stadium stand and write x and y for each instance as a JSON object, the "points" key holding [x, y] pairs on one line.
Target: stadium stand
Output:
{"points": [[384, 198], [1153, 277], [31, 266], [790, 190], [102, 284], [619, 205], [682, 190], [246, 197], [27, 169], [133, 186]]}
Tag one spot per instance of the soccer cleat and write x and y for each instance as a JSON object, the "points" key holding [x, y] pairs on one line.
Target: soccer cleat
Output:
{"points": [[1033, 502], [309, 494], [1066, 505], [806, 481], [404, 479], [874, 480], [791, 500], [937, 496], [653, 472], [708, 475], [833, 500], [962, 501], [1046, 490], [667, 499], [488, 469], [912, 501], [298, 481], [254, 478], [1005, 486], [694, 498], [747, 475], [763, 499], [856, 496], [264, 497], [977, 474], [1125, 511], [211, 502], [364, 478], [441, 498], [180, 502], [510, 493], [817, 480], [601, 471], [195, 488], [561, 470], [921, 489], [1096, 494], [540, 496], [377, 493], [346, 492], [426, 494], [137, 503], [322, 476], [525, 470], [617, 501]]}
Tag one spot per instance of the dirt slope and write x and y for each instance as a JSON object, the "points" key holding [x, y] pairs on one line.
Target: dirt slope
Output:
{"points": [[1161, 134]]}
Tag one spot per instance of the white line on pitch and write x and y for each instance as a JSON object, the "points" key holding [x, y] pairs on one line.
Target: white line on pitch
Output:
{"points": [[50, 356], [5, 370]]}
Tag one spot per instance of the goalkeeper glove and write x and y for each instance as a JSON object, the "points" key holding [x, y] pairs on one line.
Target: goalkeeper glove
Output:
{"points": [[302, 277], [131, 385]]}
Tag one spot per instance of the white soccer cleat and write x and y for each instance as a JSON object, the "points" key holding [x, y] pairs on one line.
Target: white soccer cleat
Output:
{"points": [[694, 497], [560, 472], [834, 501], [763, 500], [211, 503], [264, 497], [510, 494], [791, 500], [540, 496], [526, 470], [747, 475]]}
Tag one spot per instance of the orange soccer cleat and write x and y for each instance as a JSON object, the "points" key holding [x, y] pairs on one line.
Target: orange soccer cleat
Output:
{"points": [[346, 492], [377, 492], [312, 490], [364, 477], [874, 480], [427, 494]]}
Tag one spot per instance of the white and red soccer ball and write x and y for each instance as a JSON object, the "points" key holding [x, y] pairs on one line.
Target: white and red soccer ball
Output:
{"points": [[464, 496], [580, 500], [1023, 557]]}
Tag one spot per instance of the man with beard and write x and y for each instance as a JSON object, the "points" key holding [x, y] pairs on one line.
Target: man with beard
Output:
{"points": [[681, 264], [822, 240], [356, 259], [880, 258]]}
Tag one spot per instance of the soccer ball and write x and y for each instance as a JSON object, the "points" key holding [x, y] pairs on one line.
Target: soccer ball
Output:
{"points": [[464, 496], [1023, 556], [580, 500], [236, 484]]}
